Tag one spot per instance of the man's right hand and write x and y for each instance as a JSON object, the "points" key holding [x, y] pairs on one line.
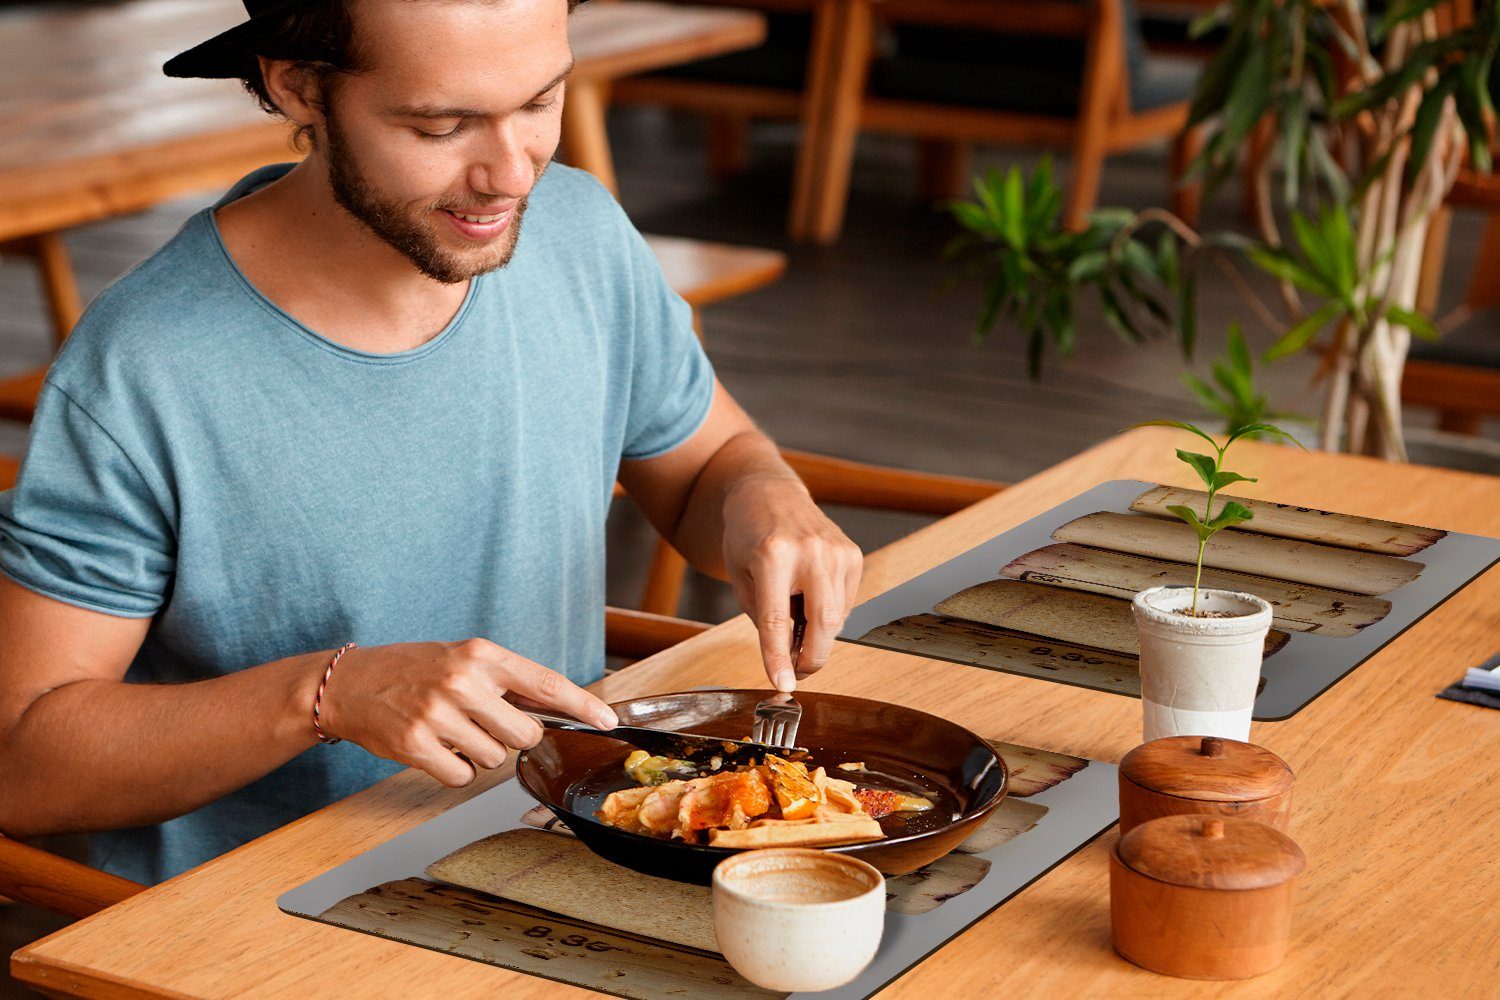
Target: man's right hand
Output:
{"points": [[419, 702]]}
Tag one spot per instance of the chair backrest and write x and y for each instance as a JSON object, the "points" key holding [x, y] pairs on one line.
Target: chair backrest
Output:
{"points": [[10, 468], [1019, 39]]}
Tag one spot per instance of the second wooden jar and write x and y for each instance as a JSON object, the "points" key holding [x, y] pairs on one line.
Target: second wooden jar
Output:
{"points": [[1203, 897], [1184, 775]]}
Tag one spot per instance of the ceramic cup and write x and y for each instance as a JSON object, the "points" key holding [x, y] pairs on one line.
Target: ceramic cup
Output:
{"points": [[794, 919], [1199, 675]]}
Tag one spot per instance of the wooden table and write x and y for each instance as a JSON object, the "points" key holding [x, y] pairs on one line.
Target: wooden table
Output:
{"points": [[1397, 800], [90, 128]]}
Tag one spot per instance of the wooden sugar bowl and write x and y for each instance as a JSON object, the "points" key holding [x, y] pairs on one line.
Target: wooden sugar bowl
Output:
{"points": [[1203, 897], [1208, 775]]}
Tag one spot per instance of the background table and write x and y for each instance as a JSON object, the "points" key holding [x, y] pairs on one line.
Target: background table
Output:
{"points": [[1397, 798]]}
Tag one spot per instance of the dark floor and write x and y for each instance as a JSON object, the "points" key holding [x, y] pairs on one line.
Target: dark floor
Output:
{"points": [[860, 351]]}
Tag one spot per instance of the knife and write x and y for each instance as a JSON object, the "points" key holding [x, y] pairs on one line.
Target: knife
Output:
{"points": [[700, 750]]}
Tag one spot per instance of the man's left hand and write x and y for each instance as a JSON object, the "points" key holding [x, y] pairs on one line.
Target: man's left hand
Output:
{"points": [[778, 543]]}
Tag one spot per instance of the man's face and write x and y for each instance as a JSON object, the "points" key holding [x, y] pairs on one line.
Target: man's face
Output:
{"points": [[437, 145]]}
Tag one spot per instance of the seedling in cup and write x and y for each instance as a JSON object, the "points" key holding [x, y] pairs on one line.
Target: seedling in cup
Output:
{"points": [[1211, 470]]}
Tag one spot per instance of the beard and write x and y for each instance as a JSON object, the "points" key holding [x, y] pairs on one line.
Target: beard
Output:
{"points": [[412, 233]]}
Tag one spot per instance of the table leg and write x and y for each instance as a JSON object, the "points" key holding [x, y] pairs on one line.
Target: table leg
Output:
{"points": [[843, 39], [1104, 81], [585, 138], [59, 284]]}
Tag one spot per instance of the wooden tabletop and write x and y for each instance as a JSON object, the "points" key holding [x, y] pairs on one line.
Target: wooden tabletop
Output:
{"points": [[90, 127], [1396, 803]]}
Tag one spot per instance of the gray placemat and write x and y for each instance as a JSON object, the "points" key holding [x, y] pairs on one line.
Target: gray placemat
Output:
{"points": [[1304, 668], [1077, 809]]}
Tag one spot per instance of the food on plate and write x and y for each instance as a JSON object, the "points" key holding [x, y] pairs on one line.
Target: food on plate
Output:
{"points": [[644, 769], [880, 802], [796, 793], [780, 803]]}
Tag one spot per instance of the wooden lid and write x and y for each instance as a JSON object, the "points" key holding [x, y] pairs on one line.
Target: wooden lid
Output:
{"points": [[1211, 852], [1207, 768]]}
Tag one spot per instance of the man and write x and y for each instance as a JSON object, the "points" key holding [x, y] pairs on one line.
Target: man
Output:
{"points": [[353, 403]]}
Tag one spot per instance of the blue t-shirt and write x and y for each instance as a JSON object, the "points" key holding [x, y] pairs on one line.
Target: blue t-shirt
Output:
{"points": [[200, 456]]}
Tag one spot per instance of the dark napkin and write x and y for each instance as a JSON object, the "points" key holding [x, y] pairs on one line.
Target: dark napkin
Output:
{"points": [[1474, 696]]}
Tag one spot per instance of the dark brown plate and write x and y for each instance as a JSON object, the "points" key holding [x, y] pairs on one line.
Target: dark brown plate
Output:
{"points": [[571, 772]]}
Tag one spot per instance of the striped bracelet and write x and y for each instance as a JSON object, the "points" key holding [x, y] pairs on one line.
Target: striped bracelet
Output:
{"points": [[317, 715]]}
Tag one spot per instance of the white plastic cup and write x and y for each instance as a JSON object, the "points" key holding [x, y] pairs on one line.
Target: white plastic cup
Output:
{"points": [[796, 920], [1199, 675]]}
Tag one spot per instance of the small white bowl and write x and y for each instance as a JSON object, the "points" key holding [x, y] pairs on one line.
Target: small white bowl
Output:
{"points": [[798, 920]]}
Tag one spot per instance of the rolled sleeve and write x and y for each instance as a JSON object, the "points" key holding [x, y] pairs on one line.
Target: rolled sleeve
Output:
{"points": [[82, 524]]}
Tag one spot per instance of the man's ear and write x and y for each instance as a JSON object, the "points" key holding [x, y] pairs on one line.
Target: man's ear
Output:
{"points": [[293, 89]]}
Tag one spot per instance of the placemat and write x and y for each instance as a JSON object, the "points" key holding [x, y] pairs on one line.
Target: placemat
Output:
{"points": [[1056, 804], [1051, 597]]}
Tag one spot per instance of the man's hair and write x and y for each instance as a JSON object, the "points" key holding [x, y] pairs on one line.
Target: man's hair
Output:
{"points": [[320, 39]]}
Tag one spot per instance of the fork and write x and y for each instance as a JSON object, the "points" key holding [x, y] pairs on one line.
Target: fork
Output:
{"points": [[777, 718], [776, 721]]}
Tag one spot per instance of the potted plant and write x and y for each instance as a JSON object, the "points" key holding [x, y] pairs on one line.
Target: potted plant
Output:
{"points": [[1369, 120], [1201, 649]]}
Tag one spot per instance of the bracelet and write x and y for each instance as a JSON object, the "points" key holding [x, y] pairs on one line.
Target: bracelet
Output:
{"points": [[317, 716]]}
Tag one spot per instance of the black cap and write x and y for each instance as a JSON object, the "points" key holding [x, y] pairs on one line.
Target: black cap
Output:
{"points": [[226, 54]]}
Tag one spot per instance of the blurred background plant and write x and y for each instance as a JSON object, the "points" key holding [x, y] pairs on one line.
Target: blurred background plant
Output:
{"points": [[1368, 118]]}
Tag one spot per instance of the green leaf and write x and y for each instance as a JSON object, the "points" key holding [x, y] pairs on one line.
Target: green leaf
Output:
{"points": [[1202, 464], [1232, 514], [1280, 264], [1261, 428], [1294, 126], [1470, 100], [1223, 479], [1138, 258], [1013, 204], [1116, 317], [1180, 425], [1424, 127], [1299, 336], [1203, 23], [1087, 266], [970, 216], [1418, 324], [1338, 236], [1239, 351], [1187, 308], [1317, 249], [1203, 531], [1205, 394]]}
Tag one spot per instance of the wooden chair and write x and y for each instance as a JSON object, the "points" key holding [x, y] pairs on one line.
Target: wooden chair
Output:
{"points": [[1461, 382], [947, 105]]}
